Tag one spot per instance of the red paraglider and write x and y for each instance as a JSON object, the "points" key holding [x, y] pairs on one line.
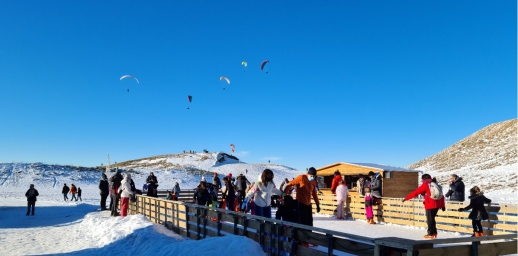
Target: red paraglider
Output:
{"points": [[264, 63], [189, 98]]}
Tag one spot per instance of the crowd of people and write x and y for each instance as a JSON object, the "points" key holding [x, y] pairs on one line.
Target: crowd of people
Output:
{"points": [[258, 197]]}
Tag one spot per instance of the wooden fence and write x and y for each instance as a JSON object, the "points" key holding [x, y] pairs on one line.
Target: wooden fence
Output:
{"points": [[502, 217], [282, 238]]}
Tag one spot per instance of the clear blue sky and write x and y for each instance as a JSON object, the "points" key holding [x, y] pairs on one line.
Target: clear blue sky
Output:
{"points": [[357, 81]]}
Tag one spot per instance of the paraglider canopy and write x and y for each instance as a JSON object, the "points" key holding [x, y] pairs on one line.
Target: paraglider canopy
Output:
{"points": [[189, 98], [264, 63], [244, 63], [221, 78], [126, 76]]}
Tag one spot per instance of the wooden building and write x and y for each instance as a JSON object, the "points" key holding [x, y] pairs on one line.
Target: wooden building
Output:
{"points": [[397, 182]]}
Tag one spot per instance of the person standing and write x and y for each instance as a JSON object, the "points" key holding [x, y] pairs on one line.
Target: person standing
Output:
{"points": [[31, 195], [217, 184], [479, 213], [376, 184], [242, 184], [229, 195], [337, 180], [125, 193], [368, 206], [73, 191], [152, 185], [457, 190], [342, 194], [360, 185], [176, 191], [104, 191], [79, 194], [115, 180], [201, 195], [305, 186], [65, 191], [433, 201], [262, 192]]}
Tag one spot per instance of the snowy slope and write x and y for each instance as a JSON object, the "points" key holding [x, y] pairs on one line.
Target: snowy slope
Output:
{"points": [[488, 159]]}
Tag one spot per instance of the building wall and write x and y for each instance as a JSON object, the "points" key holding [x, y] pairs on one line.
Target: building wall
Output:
{"points": [[401, 185]]}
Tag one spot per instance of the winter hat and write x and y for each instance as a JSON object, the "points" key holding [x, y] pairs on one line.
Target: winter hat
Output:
{"points": [[371, 173], [360, 175], [104, 176], [230, 175], [312, 171], [215, 174]]}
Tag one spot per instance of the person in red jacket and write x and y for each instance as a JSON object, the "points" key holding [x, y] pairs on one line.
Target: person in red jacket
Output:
{"points": [[431, 206], [336, 181]]}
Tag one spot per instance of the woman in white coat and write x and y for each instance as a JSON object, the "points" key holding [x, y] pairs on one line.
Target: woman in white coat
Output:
{"points": [[262, 191], [125, 192]]}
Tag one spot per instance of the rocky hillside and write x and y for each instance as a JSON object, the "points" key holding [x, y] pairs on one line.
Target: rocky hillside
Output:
{"points": [[488, 159], [490, 147]]}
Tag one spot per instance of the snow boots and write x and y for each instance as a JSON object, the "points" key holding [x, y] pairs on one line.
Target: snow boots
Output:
{"points": [[371, 221], [430, 236]]}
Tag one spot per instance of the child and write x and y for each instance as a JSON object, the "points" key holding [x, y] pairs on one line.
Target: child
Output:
{"points": [[176, 191], [368, 206], [169, 196], [79, 193], [342, 193], [479, 212], [287, 211]]}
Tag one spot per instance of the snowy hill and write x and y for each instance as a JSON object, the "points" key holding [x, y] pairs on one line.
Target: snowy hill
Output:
{"points": [[487, 158], [186, 169]]}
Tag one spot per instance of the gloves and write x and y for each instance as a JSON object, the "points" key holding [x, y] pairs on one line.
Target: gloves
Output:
{"points": [[318, 207], [283, 195], [461, 209], [443, 209], [404, 200]]}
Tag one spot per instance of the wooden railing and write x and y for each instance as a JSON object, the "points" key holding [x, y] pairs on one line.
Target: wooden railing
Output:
{"points": [[502, 217], [282, 238]]}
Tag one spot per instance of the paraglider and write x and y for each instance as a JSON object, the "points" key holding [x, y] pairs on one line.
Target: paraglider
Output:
{"points": [[264, 63], [190, 99], [128, 76], [244, 64], [228, 81], [232, 147]]}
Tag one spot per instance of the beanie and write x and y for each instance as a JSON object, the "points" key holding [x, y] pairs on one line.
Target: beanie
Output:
{"points": [[360, 175], [312, 171]]}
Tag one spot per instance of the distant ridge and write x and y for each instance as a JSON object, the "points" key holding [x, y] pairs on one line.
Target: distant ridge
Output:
{"points": [[488, 148]]}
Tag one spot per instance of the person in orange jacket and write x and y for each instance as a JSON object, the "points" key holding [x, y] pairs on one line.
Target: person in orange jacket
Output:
{"points": [[73, 190], [336, 181]]}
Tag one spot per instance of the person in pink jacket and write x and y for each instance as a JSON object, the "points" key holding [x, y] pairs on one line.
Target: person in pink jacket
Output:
{"points": [[368, 206], [342, 193]]}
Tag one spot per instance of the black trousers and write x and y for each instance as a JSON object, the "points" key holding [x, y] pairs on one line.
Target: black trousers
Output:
{"points": [[430, 220], [103, 200], [477, 225], [29, 205], [114, 204], [306, 214]]}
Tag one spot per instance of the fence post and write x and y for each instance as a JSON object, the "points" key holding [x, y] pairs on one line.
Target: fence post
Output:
{"points": [[279, 239], [293, 249], [165, 217], [270, 242], [198, 222], [187, 219], [235, 224], [261, 233], [204, 223], [329, 245], [245, 225], [474, 248], [219, 223]]}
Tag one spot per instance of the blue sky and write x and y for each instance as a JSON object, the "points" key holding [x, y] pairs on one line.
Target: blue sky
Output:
{"points": [[357, 81]]}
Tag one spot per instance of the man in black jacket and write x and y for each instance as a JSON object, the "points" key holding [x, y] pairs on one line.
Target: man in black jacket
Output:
{"points": [[65, 191], [152, 185], [217, 184], [114, 191], [242, 184], [104, 191], [31, 195], [456, 192], [202, 196]]}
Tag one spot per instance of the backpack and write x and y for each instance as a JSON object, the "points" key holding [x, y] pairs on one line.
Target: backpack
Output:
{"points": [[435, 190]]}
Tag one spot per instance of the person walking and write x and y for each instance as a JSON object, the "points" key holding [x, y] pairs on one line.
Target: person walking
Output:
{"points": [[31, 195], [104, 191], [360, 185], [262, 192], [79, 194], [337, 180], [65, 191], [457, 190], [152, 185], [115, 180], [305, 186], [479, 213], [368, 206], [342, 194], [125, 193], [217, 184], [176, 191], [433, 201], [73, 191], [241, 183]]}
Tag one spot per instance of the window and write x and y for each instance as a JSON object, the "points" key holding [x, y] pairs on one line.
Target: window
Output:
{"points": [[388, 175]]}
